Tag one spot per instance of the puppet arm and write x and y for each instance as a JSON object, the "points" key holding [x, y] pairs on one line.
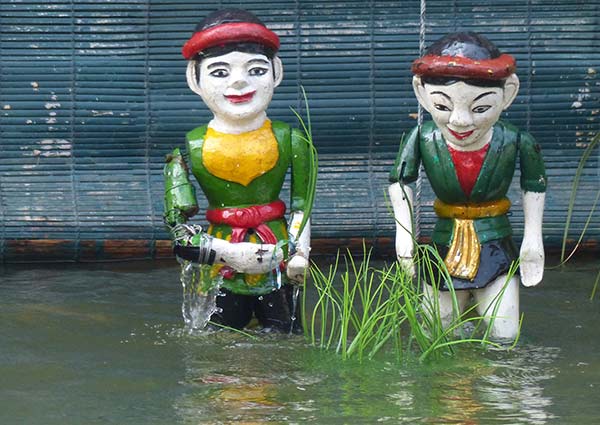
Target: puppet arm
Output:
{"points": [[191, 243], [401, 197], [532, 248], [299, 247], [298, 263], [180, 195]]}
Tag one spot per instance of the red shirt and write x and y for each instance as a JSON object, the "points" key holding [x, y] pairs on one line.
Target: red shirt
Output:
{"points": [[468, 165]]}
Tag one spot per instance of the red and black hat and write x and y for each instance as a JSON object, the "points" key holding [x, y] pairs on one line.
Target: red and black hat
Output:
{"points": [[229, 26], [464, 56]]}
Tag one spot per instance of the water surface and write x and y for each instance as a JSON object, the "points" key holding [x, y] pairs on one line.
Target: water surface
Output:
{"points": [[103, 344]]}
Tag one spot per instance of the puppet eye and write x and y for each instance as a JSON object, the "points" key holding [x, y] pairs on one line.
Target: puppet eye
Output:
{"points": [[481, 109], [219, 73], [257, 71], [441, 107]]}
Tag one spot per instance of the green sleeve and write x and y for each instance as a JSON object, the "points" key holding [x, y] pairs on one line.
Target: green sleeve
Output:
{"points": [[180, 195], [533, 172], [406, 167], [301, 168]]}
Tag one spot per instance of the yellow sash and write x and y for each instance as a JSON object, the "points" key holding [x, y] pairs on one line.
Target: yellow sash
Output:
{"points": [[462, 259]]}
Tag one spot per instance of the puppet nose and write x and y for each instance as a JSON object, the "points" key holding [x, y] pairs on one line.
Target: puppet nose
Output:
{"points": [[239, 81], [461, 118]]}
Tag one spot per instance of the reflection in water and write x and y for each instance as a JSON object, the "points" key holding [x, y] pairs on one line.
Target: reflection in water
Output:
{"points": [[231, 380], [515, 391], [457, 399], [243, 400], [507, 389]]}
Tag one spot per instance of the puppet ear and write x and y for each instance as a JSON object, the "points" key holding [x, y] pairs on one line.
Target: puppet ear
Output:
{"points": [[192, 77], [277, 70], [511, 88], [420, 92]]}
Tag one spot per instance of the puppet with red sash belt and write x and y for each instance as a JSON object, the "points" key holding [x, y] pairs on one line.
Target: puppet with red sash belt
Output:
{"points": [[240, 159]]}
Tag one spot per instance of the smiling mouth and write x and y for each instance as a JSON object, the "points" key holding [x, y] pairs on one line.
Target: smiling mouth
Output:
{"points": [[241, 98], [461, 136]]}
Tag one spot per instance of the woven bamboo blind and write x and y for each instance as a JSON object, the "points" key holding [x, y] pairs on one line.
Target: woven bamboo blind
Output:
{"points": [[93, 95]]}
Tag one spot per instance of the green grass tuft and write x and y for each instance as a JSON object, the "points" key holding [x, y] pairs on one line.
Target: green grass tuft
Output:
{"points": [[361, 311]]}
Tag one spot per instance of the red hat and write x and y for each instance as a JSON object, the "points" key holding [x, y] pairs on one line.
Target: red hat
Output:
{"points": [[229, 26], [465, 56], [460, 67]]}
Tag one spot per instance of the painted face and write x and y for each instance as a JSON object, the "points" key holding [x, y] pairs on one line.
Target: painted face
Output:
{"points": [[236, 85], [464, 113]]}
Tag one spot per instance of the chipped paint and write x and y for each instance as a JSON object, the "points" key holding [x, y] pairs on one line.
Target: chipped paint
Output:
{"points": [[52, 105], [101, 113], [52, 148]]}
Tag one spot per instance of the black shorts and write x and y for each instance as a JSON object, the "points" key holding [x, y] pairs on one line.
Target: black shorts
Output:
{"points": [[495, 260], [274, 310]]}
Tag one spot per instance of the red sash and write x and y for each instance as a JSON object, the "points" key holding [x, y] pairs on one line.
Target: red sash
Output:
{"points": [[243, 219]]}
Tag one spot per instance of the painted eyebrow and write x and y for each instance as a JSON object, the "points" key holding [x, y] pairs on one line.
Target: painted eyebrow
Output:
{"points": [[483, 95], [443, 94], [259, 61], [215, 64]]}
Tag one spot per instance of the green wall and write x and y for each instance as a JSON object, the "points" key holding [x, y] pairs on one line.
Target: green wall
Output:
{"points": [[93, 95]]}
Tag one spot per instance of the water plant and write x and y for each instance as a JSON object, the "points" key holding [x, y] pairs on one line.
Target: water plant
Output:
{"points": [[362, 310], [564, 257], [357, 319], [313, 160]]}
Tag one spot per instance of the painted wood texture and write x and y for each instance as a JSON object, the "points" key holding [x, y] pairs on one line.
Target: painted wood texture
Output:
{"points": [[93, 95]]}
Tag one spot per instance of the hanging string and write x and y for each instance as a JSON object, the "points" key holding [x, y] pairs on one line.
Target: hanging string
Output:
{"points": [[529, 67], [417, 201]]}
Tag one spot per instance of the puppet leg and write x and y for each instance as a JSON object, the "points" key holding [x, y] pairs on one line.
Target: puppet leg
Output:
{"points": [[275, 311], [236, 310], [501, 295], [444, 300]]}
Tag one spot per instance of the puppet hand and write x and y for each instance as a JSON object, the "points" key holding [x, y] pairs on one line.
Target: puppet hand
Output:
{"points": [[297, 267], [187, 234], [531, 262], [407, 265]]}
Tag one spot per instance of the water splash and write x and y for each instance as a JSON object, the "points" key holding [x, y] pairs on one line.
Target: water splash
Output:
{"points": [[295, 296], [199, 301]]}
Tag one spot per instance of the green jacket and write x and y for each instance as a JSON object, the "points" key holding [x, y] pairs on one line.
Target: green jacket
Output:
{"points": [[266, 188], [429, 148]]}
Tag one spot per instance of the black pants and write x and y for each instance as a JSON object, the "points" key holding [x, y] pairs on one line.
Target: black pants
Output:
{"points": [[273, 311]]}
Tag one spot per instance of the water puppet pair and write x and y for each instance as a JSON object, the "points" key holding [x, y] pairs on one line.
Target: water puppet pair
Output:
{"points": [[240, 159]]}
